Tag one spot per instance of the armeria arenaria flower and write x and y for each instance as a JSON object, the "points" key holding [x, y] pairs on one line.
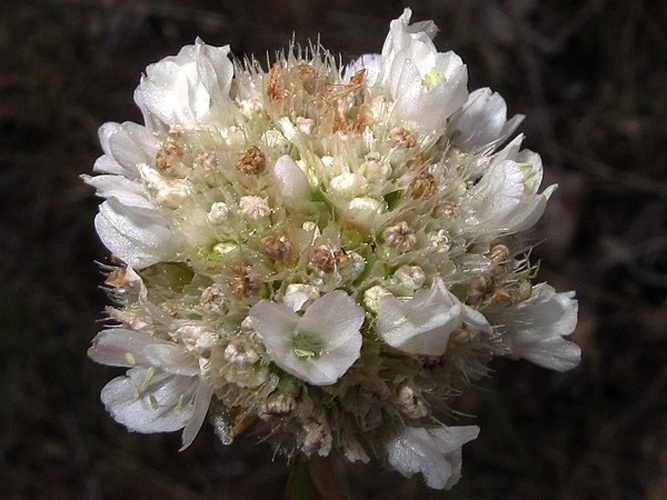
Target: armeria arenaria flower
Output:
{"points": [[321, 252]]}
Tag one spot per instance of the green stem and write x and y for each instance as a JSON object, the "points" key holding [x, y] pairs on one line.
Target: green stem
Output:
{"points": [[314, 479]]}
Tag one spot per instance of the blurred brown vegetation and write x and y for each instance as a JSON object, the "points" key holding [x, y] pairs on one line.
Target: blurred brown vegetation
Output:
{"points": [[591, 77]]}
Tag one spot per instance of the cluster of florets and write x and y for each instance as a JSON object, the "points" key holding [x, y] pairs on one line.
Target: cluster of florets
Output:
{"points": [[327, 256]]}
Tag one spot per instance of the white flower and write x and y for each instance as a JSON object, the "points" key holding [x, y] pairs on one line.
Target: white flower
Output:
{"points": [[482, 121], [317, 347], [427, 85], [186, 90], [128, 223], [162, 392], [423, 324], [436, 453], [536, 328], [168, 192], [505, 200]]}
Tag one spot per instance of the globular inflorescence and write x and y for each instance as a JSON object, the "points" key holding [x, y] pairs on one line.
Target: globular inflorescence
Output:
{"points": [[324, 255]]}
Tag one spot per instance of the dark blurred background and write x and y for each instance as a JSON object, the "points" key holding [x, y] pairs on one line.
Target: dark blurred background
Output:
{"points": [[591, 76]]}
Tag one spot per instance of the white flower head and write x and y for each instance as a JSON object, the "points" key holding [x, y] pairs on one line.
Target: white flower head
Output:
{"points": [[423, 324], [317, 347], [269, 212], [373, 295], [435, 452], [411, 277]]}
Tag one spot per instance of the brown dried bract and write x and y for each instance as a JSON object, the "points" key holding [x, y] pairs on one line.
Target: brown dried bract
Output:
{"points": [[276, 248], [482, 289], [500, 255], [363, 119], [447, 209], [403, 137], [252, 161], [167, 154], [244, 282], [308, 76], [116, 277], [335, 92], [423, 186], [400, 236], [327, 260], [272, 89], [525, 290]]}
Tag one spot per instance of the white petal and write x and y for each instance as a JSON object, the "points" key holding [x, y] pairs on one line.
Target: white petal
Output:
{"points": [[483, 121], [423, 324], [165, 92], [122, 347], [105, 164], [502, 201], [139, 237], [427, 85], [150, 401], [127, 192], [290, 180], [186, 89], [215, 69], [337, 318], [275, 324], [536, 328], [130, 144], [436, 453], [202, 402]]}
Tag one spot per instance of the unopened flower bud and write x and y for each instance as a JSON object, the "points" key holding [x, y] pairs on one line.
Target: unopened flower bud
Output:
{"points": [[254, 207], [411, 277], [400, 236], [373, 295], [217, 214]]}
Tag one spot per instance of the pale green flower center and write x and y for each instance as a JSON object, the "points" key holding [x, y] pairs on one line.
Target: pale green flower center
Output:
{"points": [[433, 78], [307, 346]]}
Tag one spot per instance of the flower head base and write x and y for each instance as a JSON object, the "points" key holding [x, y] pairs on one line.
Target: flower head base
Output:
{"points": [[322, 251]]}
